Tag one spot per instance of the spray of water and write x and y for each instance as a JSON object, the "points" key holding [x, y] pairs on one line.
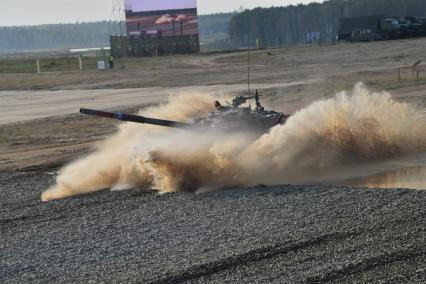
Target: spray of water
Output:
{"points": [[328, 140]]}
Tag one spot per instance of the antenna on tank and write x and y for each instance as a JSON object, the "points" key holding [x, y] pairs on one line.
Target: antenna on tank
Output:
{"points": [[248, 67]]}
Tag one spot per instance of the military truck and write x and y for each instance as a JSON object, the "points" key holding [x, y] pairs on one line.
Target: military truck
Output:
{"points": [[379, 27], [368, 28], [412, 26]]}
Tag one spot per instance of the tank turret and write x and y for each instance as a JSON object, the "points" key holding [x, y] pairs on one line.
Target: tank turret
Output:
{"points": [[229, 118]]}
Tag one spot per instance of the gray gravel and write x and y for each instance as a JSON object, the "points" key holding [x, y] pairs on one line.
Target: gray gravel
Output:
{"points": [[267, 234]]}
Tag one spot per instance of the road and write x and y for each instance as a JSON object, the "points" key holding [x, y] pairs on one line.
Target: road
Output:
{"points": [[284, 234], [20, 106]]}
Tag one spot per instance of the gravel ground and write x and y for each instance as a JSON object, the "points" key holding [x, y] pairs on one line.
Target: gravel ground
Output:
{"points": [[267, 234]]}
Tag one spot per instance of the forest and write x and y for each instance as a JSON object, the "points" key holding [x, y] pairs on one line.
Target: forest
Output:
{"points": [[213, 32], [281, 26], [276, 26], [54, 37]]}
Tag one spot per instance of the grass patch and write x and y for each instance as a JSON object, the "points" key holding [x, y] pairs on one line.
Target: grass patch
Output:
{"points": [[47, 64], [22, 65]]}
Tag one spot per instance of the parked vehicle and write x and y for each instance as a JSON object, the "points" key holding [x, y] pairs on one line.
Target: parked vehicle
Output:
{"points": [[378, 27]]}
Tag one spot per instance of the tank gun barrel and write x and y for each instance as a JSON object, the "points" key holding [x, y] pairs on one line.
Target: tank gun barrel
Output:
{"points": [[136, 118]]}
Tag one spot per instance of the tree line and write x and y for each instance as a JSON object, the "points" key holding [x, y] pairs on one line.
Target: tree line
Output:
{"points": [[280, 26], [86, 35], [215, 23], [213, 30], [276, 26], [54, 37]]}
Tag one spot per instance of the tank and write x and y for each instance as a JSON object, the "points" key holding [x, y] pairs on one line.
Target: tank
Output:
{"points": [[231, 117]]}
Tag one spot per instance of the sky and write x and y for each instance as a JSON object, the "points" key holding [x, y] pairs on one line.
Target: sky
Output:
{"points": [[36, 12], [138, 5]]}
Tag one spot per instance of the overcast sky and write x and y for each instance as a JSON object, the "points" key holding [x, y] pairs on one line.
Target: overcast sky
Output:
{"points": [[141, 5], [35, 12]]}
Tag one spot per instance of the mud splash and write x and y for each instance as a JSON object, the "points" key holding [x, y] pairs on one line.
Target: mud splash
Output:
{"points": [[329, 140]]}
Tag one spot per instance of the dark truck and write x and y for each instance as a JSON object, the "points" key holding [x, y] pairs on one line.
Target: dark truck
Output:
{"points": [[379, 27], [413, 26]]}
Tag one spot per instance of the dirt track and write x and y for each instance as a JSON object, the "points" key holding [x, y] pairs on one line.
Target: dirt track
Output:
{"points": [[19, 106], [284, 233]]}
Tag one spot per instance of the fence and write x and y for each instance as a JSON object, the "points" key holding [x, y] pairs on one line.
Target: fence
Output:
{"points": [[46, 64], [416, 69]]}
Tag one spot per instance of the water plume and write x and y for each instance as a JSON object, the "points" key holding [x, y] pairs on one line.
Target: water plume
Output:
{"points": [[328, 140]]}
